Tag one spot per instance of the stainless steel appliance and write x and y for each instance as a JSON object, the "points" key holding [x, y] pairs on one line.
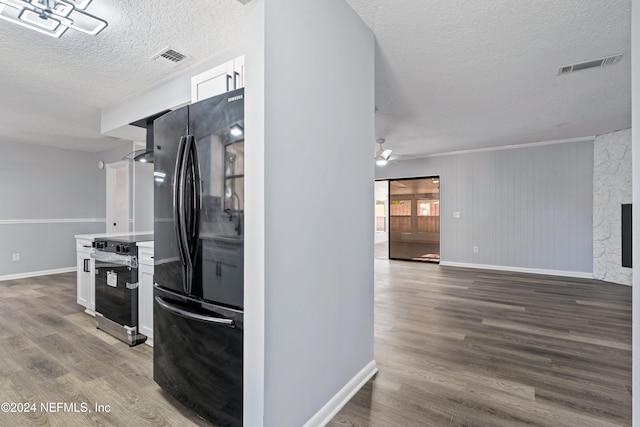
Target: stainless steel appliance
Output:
{"points": [[199, 256], [116, 269]]}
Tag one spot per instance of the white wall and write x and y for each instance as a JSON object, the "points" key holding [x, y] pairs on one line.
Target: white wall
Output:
{"points": [[611, 188], [254, 198], [635, 135], [317, 95], [526, 209]]}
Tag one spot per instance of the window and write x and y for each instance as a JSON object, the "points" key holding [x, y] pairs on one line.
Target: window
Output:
{"points": [[428, 208]]}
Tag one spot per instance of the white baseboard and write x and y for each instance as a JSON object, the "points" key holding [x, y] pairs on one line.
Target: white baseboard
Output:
{"points": [[577, 274], [37, 273], [333, 406]]}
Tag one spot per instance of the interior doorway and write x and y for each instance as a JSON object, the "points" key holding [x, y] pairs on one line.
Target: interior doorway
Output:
{"points": [[414, 219]]}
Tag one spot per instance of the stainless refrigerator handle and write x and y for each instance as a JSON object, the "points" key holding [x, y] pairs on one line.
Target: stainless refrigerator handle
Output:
{"points": [[177, 197], [194, 316]]}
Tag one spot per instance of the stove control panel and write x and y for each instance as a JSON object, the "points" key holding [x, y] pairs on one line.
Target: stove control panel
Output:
{"points": [[99, 244], [122, 249], [115, 247]]}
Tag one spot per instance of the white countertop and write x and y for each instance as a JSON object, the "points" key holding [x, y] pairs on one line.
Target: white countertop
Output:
{"points": [[143, 244], [93, 236]]}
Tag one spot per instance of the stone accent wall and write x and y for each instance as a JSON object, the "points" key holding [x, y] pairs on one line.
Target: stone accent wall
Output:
{"points": [[611, 188]]}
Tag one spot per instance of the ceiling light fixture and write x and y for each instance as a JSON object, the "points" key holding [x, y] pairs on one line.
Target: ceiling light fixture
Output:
{"points": [[52, 17], [382, 156]]}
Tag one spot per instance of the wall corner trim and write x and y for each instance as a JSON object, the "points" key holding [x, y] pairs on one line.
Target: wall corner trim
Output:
{"points": [[576, 274], [333, 406], [37, 273]]}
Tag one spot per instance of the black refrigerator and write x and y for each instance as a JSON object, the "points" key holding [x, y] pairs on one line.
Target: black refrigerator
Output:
{"points": [[199, 256]]}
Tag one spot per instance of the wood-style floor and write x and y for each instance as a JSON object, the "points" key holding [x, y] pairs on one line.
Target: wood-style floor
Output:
{"points": [[463, 347], [51, 353], [455, 347]]}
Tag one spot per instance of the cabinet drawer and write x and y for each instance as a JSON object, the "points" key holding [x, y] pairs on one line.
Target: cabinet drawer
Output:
{"points": [[145, 256], [83, 245]]}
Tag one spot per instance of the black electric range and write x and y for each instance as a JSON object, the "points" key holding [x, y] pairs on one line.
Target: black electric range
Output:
{"points": [[116, 269]]}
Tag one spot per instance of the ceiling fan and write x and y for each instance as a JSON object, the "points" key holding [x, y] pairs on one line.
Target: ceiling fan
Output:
{"points": [[382, 155]]}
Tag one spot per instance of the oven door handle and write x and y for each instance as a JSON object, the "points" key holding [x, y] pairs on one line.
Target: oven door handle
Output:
{"points": [[188, 314], [111, 258]]}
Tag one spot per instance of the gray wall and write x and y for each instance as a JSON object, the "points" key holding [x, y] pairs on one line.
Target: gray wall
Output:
{"points": [[316, 91], [524, 208], [611, 188], [47, 196], [635, 155]]}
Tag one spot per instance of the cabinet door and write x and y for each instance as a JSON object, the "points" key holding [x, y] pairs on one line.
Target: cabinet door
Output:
{"points": [[91, 308], [213, 82], [145, 302], [223, 78], [238, 72], [84, 278]]}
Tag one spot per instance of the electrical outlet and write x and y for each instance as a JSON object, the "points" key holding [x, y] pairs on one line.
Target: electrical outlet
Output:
{"points": [[475, 249], [16, 257]]}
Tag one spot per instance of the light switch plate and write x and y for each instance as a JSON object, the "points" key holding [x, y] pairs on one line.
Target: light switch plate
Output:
{"points": [[456, 214]]}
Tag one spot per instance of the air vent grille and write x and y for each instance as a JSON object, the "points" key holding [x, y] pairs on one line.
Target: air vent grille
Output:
{"points": [[601, 62], [170, 56]]}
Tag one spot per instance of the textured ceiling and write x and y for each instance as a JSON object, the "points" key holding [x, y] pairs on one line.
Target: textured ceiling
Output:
{"points": [[53, 89], [450, 74], [455, 75]]}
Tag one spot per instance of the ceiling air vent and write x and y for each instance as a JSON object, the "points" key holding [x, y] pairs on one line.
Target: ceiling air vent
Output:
{"points": [[170, 56], [601, 62]]}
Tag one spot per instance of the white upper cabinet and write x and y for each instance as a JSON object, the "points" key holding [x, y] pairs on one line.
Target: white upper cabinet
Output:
{"points": [[221, 79]]}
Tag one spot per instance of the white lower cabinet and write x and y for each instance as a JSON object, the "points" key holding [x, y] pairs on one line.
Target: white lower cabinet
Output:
{"points": [[86, 292], [145, 293]]}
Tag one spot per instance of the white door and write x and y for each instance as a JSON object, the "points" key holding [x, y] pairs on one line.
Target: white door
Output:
{"points": [[118, 205]]}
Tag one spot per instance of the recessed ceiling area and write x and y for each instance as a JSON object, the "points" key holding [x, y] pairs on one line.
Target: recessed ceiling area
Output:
{"points": [[450, 76]]}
